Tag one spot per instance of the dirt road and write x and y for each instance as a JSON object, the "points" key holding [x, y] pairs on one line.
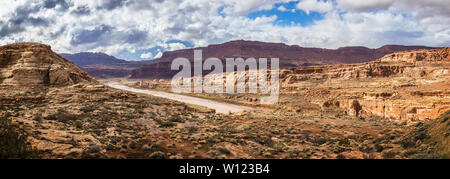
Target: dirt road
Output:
{"points": [[218, 106]]}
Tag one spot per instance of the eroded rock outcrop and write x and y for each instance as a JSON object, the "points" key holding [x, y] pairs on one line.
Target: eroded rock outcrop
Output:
{"points": [[36, 64], [410, 85], [403, 86], [289, 55]]}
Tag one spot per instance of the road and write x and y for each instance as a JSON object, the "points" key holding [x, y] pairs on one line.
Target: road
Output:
{"points": [[220, 107]]}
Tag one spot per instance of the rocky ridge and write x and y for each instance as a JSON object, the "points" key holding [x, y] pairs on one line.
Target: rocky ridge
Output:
{"points": [[402, 86], [289, 55], [83, 119], [410, 85], [26, 64]]}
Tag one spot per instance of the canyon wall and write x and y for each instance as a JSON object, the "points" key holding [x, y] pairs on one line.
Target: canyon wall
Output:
{"points": [[36, 64], [410, 85]]}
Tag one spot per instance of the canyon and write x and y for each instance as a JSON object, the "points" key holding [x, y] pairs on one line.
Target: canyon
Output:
{"points": [[393, 107], [104, 66], [289, 55], [402, 86]]}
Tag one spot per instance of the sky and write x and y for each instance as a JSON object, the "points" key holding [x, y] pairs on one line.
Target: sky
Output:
{"points": [[143, 29]]}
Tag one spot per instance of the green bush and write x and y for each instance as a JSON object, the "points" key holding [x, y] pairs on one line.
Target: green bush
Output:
{"points": [[13, 141]]}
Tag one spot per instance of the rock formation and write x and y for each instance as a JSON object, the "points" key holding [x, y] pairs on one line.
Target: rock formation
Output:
{"points": [[66, 114], [409, 85], [36, 64], [88, 58], [403, 86], [290, 56], [101, 65]]}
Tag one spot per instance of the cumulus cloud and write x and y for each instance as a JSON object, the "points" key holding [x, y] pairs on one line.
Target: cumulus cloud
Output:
{"points": [[63, 5], [365, 5], [159, 55], [176, 46], [135, 26], [146, 55], [315, 5], [282, 8], [81, 10], [240, 7]]}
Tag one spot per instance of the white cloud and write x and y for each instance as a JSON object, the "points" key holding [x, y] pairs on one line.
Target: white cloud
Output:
{"points": [[315, 5], [159, 55], [138, 25], [242, 7], [176, 46], [364, 5], [146, 55], [282, 8]]}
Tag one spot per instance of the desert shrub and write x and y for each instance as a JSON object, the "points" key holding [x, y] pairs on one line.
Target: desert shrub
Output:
{"points": [[157, 155], [379, 148], [228, 129], [37, 117], [176, 118], [87, 109], [340, 156], [63, 116], [78, 124], [263, 140], [420, 134], [192, 129], [409, 152], [217, 151], [444, 117], [223, 150], [13, 141], [428, 156], [319, 141], [366, 148], [389, 154], [344, 142], [407, 143], [164, 124]]}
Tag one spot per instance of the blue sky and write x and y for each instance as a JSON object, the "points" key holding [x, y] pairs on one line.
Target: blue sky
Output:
{"points": [[290, 16], [142, 29], [153, 52], [287, 15]]}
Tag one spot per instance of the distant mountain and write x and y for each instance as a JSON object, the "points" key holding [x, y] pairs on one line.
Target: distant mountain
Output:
{"points": [[101, 65], [88, 58], [290, 56]]}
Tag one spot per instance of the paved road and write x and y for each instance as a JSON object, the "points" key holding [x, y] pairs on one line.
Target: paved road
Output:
{"points": [[218, 106]]}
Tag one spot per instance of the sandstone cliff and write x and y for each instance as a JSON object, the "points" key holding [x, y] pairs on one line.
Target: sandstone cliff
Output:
{"points": [[289, 55], [403, 86], [36, 64], [409, 85]]}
